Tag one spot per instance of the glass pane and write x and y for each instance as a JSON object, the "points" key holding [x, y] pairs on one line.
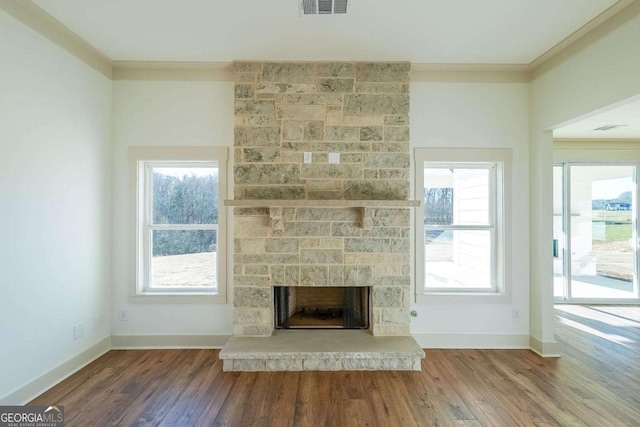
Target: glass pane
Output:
{"points": [[602, 255], [456, 196], [183, 258], [185, 195], [458, 259], [558, 234]]}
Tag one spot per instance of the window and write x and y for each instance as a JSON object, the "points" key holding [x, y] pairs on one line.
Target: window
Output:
{"points": [[461, 228], [179, 220]]}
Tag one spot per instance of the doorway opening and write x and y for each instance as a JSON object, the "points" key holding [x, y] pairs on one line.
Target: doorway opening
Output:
{"points": [[595, 232]]}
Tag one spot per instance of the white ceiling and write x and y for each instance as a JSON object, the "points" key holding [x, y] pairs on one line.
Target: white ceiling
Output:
{"points": [[421, 31], [627, 114]]}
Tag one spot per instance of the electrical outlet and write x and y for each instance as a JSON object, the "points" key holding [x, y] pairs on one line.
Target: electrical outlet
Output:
{"points": [[98, 322], [123, 316], [307, 157], [78, 331], [516, 314]]}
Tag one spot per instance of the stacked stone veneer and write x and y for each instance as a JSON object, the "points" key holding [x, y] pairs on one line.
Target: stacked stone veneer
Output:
{"points": [[359, 110]]}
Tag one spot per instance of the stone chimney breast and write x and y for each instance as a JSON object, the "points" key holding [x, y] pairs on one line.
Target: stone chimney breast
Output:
{"points": [[321, 224]]}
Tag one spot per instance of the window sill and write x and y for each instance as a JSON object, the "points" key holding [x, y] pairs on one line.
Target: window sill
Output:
{"points": [[177, 298], [463, 297]]}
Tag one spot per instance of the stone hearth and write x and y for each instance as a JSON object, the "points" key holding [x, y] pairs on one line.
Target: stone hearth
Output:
{"points": [[321, 223], [322, 351]]}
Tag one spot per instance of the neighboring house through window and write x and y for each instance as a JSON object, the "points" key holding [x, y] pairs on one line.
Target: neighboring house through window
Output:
{"points": [[460, 246]]}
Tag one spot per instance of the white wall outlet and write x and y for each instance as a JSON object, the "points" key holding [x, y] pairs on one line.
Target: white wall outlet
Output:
{"points": [[516, 314], [98, 322], [78, 331], [334, 158], [123, 316], [307, 157]]}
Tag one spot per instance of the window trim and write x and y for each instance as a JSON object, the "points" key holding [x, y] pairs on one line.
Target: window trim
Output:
{"points": [[139, 199], [500, 212]]}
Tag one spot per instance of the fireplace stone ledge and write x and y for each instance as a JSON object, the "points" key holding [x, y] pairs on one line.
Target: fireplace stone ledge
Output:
{"points": [[321, 351]]}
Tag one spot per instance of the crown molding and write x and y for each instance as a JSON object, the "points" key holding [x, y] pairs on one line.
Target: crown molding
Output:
{"points": [[462, 67], [46, 25], [601, 25], [172, 71], [619, 142], [470, 73], [223, 71], [50, 28]]}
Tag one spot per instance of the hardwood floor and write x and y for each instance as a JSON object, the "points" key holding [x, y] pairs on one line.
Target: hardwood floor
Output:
{"points": [[595, 383]]}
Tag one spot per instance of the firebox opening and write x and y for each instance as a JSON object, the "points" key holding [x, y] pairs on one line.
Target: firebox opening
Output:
{"points": [[326, 307]]}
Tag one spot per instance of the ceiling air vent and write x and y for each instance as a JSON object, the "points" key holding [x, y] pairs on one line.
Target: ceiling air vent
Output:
{"points": [[323, 7], [609, 127]]}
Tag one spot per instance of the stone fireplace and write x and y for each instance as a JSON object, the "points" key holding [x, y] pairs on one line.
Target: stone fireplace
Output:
{"points": [[321, 182]]}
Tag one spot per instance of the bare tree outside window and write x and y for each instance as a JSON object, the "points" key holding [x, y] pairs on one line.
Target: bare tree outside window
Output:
{"points": [[438, 206], [183, 224]]}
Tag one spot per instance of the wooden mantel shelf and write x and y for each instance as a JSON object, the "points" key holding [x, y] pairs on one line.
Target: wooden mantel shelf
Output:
{"points": [[289, 203]]}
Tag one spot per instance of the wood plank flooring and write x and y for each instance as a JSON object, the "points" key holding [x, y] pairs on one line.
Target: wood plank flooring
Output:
{"points": [[595, 383]]}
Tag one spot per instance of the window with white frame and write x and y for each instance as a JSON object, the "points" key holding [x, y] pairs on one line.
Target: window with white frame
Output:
{"points": [[179, 220], [460, 247]]}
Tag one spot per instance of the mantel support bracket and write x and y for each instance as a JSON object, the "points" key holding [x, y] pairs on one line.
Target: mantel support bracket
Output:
{"points": [[277, 224], [366, 218]]}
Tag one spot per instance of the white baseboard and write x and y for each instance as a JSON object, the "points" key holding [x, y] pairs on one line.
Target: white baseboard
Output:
{"points": [[472, 341], [133, 342], [44, 382], [544, 349]]}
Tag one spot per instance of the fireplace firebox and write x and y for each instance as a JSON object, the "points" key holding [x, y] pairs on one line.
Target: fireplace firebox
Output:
{"points": [[326, 307]]}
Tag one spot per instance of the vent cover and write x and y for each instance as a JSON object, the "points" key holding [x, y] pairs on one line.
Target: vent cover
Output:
{"points": [[609, 127], [323, 7]]}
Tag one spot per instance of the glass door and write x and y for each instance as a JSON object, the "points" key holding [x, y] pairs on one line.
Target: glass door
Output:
{"points": [[560, 281], [596, 255]]}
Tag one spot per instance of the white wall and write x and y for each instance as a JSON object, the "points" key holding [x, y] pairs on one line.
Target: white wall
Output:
{"points": [[604, 73], [163, 113], [201, 113], [478, 115], [55, 183]]}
